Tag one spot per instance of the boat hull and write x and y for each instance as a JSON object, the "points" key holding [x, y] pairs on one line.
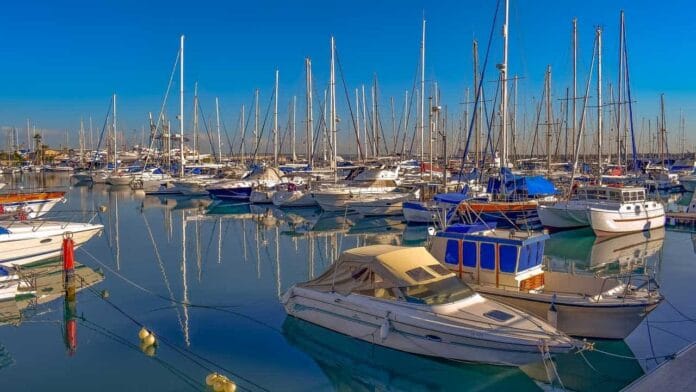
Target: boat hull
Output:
{"points": [[331, 311], [293, 199], [606, 222], [28, 249], [563, 217], [239, 194]]}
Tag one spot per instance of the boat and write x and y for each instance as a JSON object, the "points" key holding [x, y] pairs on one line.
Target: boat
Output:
{"points": [[385, 204], [626, 211], [360, 183], [291, 195], [241, 190], [575, 212], [32, 204], [688, 182], [507, 266], [404, 299], [23, 242], [431, 212]]}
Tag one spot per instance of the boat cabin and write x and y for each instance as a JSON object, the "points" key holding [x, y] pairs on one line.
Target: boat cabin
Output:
{"points": [[484, 255], [610, 193]]}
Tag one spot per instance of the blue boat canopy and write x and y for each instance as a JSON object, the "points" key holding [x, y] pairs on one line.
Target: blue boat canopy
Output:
{"points": [[451, 197]]}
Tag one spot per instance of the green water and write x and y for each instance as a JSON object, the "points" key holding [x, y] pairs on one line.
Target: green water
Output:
{"points": [[230, 263]]}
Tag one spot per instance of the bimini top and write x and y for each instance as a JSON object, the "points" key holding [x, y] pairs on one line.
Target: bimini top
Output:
{"points": [[379, 267]]}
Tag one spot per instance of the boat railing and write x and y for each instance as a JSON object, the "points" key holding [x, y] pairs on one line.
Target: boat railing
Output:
{"points": [[65, 218]]}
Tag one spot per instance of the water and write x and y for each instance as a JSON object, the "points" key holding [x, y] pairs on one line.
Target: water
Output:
{"points": [[231, 263]]}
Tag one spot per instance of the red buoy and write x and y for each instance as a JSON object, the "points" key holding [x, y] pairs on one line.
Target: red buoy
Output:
{"points": [[68, 254]]}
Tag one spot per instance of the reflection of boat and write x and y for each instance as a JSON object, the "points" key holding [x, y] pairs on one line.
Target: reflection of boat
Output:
{"points": [[591, 370], [404, 299], [355, 365], [507, 266], [332, 222], [587, 252], [23, 242]]}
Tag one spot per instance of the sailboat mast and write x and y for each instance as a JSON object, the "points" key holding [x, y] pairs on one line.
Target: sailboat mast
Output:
{"points": [[113, 125], [294, 152], [422, 98], [548, 120], [181, 109], [310, 113], [332, 119], [575, 79], [504, 92], [275, 122], [599, 104], [256, 123], [217, 120]]}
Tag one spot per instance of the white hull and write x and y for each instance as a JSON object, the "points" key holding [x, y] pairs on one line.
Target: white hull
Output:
{"points": [[25, 245], [446, 334], [119, 180], [33, 209], [419, 215], [615, 221], [563, 215]]}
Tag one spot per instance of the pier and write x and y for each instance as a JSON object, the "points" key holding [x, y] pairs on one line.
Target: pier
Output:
{"points": [[671, 375]]}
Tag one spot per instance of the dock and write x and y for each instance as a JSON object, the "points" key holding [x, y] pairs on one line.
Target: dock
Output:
{"points": [[671, 375], [681, 218]]}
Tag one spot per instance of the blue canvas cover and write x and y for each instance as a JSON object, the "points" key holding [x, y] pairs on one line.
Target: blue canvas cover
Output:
{"points": [[451, 197]]}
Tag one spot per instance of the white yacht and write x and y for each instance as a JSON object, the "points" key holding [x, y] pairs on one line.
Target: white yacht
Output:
{"points": [[404, 299], [507, 266], [291, 194], [368, 182], [390, 203], [23, 242], [574, 212], [626, 210]]}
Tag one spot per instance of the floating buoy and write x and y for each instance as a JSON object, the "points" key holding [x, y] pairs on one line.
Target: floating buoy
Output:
{"points": [[144, 333], [211, 378], [218, 385], [230, 386], [150, 340], [105, 294], [147, 349], [102, 208]]}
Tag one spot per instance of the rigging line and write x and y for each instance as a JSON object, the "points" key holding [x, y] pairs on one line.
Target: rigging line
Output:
{"points": [[207, 131], [350, 108], [479, 89], [244, 129], [263, 125], [101, 135], [164, 103]]}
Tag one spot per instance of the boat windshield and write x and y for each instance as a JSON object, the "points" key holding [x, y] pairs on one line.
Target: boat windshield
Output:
{"points": [[437, 293]]}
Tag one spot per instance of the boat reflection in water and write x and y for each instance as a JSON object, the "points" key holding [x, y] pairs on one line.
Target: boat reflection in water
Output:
{"points": [[354, 365]]}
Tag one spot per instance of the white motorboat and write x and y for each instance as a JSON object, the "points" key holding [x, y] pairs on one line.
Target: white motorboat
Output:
{"points": [[431, 212], [688, 182], [507, 266], [82, 176], [293, 195], [23, 242], [100, 176], [626, 211], [369, 182], [404, 299], [32, 204], [150, 178], [263, 179], [575, 212], [385, 204]]}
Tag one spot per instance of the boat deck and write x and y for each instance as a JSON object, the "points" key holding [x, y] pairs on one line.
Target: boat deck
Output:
{"points": [[672, 375]]}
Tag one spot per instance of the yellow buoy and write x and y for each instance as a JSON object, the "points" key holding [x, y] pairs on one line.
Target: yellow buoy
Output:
{"points": [[218, 385], [148, 350], [143, 333], [150, 339], [210, 379], [230, 386]]}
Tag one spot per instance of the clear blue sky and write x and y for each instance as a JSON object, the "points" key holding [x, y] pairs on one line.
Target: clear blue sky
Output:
{"points": [[62, 60]]}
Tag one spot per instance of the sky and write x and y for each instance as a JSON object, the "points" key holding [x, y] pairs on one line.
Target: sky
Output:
{"points": [[61, 61]]}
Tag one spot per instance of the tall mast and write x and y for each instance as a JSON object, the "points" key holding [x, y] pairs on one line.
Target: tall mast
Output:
{"points": [[242, 129], [575, 79], [548, 120], [256, 123], [195, 121], [364, 110], [275, 122], [663, 130], [181, 109], [374, 121], [29, 137], [422, 96], [504, 93], [294, 103], [477, 112], [599, 103], [310, 114], [332, 118], [357, 116], [82, 140], [113, 125], [217, 120]]}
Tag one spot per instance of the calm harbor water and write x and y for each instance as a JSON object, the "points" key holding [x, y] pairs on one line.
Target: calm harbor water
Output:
{"points": [[230, 263]]}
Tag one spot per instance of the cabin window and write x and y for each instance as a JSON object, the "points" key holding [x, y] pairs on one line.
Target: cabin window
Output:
{"points": [[419, 274], [508, 258], [469, 254], [487, 256], [530, 256], [439, 269], [452, 252]]}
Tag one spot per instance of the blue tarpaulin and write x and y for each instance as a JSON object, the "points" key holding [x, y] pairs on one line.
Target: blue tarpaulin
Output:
{"points": [[530, 186], [452, 197]]}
